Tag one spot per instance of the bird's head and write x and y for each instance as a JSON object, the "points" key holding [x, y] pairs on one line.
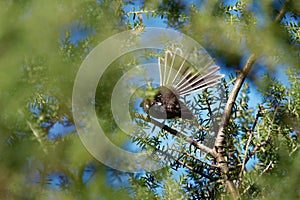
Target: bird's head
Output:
{"points": [[146, 104], [149, 96]]}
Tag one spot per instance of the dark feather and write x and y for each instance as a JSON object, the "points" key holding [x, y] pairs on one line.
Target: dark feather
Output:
{"points": [[179, 81]]}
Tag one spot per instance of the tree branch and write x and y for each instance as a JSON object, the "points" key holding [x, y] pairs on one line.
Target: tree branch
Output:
{"points": [[248, 142], [193, 157], [231, 99], [267, 168], [176, 133], [225, 119], [262, 143], [227, 112], [37, 136], [282, 11]]}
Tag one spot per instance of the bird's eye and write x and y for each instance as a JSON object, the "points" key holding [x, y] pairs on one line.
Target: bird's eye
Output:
{"points": [[147, 106]]}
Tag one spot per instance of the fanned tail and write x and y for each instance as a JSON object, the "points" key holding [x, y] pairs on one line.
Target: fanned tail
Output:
{"points": [[193, 82], [166, 67], [176, 73]]}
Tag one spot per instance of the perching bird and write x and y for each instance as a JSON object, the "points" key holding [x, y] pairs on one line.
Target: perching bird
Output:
{"points": [[178, 79]]}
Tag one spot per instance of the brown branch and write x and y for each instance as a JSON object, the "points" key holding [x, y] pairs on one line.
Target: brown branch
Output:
{"points": [[38, 137], [267, 168], [176, 133], [282, 11], [231, 99], [225, 119], [217, 151]]}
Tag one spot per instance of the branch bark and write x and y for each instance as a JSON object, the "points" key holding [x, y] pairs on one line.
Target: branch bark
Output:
{"points": [[282, 11], [176, 133], [218, 150], [231, 99], [218, 147]]}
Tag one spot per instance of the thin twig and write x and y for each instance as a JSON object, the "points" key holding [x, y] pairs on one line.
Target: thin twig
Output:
{"points": [[207, 104], [245, 156], [213, 120], [265, 141], [152, 12], [294, 150], [249, 140], [267, 168], [37, 136], [194, 157], [244, 192], [281, 12]]}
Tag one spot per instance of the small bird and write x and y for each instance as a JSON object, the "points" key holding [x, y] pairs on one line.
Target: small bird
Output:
{"points": [[178, 79]]}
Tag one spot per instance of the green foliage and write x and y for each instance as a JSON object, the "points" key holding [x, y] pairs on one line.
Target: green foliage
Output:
{"points": [[41, 52]]}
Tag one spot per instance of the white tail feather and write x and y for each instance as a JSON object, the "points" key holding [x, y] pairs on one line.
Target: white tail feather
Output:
{"points": [[172, 64], [184, 79], [203, 85], [192, 81]]}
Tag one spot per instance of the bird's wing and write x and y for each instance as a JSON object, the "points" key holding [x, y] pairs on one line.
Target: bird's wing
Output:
{"points": [[186, 113]]}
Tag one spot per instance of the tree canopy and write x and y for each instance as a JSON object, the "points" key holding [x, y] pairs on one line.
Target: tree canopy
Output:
{"points": [[254, 153]]}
